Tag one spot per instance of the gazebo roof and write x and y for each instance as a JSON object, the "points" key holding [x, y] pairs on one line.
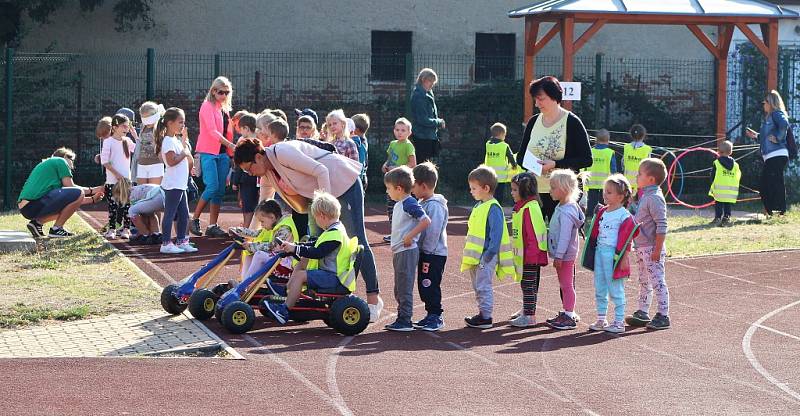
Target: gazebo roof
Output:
{"points": [[696, 8]]}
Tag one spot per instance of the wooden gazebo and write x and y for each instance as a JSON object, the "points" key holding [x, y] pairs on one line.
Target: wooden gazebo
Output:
{"points": [[726, 15]]}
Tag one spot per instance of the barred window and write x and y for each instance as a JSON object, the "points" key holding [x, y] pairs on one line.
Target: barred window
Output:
{"points": [[389, 49], [495, 56]]}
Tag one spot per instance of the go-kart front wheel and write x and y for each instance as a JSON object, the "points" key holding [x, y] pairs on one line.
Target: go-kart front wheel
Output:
{"points": [[238, 317], [202, 304], [349, 315], [169, 302]]}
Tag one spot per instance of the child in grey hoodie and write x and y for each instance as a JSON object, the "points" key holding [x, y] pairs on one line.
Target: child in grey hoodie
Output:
{"points": [[432, 246]]}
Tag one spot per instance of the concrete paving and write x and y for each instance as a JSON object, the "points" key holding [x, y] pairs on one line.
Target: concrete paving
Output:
{"points": [[16, 241]]}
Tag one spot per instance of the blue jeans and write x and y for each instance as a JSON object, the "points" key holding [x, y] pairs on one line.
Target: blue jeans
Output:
{"points": [[175, 202], [606, 286], [215, 172]]}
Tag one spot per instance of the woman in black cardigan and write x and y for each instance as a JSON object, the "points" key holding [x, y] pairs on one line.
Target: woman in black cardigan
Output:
{"points": [[556, 136]]}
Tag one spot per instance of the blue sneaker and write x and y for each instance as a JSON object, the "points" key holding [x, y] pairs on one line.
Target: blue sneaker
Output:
{"points": [[422, 322], [434, 324], [279, 311], [400, 326]]}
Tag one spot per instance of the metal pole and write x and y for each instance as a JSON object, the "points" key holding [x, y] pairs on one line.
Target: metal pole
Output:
{"points": [[257, 90], [151, 74], [409, 61], [216, 65], [9, 127]]}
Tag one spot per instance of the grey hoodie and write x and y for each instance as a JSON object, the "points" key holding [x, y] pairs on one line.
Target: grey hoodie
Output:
{"points": [[562, 237], [433, 240]]}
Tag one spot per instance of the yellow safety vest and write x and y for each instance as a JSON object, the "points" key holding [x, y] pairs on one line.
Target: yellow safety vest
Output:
{"points": [[496, 159], [725, 187], [600, 169], [539, 227], [345, 258], [476, 237], [265, 236], [631, 158]]}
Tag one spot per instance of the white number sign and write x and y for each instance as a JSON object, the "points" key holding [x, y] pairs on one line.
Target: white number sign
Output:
{"points": [[572, 91]]}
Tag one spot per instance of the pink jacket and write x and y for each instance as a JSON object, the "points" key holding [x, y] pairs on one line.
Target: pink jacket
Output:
{"points": [[305, 168], [211, 121]]}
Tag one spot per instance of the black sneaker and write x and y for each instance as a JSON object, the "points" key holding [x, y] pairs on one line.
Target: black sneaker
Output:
{"points": [[59, 233], [194, 227], [659, 322], [138, 240], [478, 321], [726, 221], [639, 318], [387, 238], [36, 229], [553, 319], [153, 239], [563, 322], [715, 222], [215, 231], [422, 322]]}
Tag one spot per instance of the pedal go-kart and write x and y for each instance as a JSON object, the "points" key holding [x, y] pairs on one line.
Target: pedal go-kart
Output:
{"points": [[338, 308]]}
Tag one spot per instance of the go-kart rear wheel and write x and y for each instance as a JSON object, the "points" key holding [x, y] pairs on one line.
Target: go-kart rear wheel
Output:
{"points": [[349, 315], [238, 317], [169, 302], [202, 304]]}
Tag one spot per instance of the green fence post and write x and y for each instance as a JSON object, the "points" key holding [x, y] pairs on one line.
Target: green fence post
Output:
{"points": [[151, 74], [409, 82], [9, 127], [598, 89], [216, 65], [784, 89]]}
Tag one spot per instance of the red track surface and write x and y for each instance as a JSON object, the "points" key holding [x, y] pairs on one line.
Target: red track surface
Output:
{"points": [[700, 366]]}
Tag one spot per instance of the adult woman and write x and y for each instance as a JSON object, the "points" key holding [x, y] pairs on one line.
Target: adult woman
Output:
{"points": [[556, 136], [295, 169], [425, 116], [772, 143], [215, 146], [50, 195]]}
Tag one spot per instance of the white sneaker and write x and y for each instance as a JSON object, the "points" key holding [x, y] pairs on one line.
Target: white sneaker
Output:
{"points": [[517, 314], [187, 248], [170, 249], [600, 325], [125, 233], [523, 321], [615, 328], [375, 310], [110, 234]]}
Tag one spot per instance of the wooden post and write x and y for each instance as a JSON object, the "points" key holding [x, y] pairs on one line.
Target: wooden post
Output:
{"points": [[568, 46], [724, 36], [531, 35], [770, 34]]}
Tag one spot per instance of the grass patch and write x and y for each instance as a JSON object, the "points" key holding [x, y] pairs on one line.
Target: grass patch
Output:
{"points": [[68, 279]]}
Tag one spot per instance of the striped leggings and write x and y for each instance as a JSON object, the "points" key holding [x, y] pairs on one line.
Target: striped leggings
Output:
{"points": [[530, 288]]}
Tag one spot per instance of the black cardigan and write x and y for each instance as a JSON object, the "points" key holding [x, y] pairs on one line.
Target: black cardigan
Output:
{"points": [[578, 151]]}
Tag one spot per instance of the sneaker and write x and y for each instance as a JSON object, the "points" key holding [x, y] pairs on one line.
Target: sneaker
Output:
{"points": [[138, 240], [35, 229], [387, 239], [194, 227], [215, 231], [59, 232], [399, 326], [422, 322], [125, 233], [600, 325], [278, 311], [615, 328], [516, 314], [153, 239], [170, 249], [110, 234], [272, 287], [715, 222], [639, 318], [563, 322], [659, 322], [726, 221], [553, 319], [375, 310], [478, 321], [523, 321], [187, 248], [434, 324]]}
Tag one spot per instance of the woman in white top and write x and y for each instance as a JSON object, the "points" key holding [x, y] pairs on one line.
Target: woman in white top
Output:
{"points": [[115, 156]]}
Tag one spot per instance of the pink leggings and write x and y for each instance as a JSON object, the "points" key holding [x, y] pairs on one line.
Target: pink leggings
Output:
{"points": [[566, 279]]}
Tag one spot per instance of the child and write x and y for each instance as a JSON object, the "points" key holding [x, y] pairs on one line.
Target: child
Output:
{"points": [[274, 227], [432, 246], [326, 263], [487, 251], [500, 158], [307, 128], [177, 155], [400, 152], [634, 152], [336, 123], [725, 188], [246, 185], [606, 252], [649, 244], [116, 158], [149, 168], [278, 131], [361, 122], [562, 242], [147, 200], [407, 222], [529, 241], [603, 164]]}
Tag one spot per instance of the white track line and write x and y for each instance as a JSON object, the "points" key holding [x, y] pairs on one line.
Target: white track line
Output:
{"points": [[748, 351]]}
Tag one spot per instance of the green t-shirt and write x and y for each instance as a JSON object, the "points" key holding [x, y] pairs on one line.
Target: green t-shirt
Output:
{"points": [[398, 153], [45, 177]]}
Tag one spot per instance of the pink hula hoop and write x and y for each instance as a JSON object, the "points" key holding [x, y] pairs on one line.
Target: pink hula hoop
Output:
{"points": [[671, 175]]}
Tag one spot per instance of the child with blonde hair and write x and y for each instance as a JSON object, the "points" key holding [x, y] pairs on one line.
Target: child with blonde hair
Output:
{"points": [[339, 136]]}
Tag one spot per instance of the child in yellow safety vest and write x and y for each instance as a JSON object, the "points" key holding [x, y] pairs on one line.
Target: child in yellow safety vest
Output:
{"points": [[725, 188], [261, 244], [634, 152], [604, 163], [487, 250], [500, 158], [529, 242]]}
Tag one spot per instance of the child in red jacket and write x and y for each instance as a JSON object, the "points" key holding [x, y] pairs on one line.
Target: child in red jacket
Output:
{"points": [[606, 252]]}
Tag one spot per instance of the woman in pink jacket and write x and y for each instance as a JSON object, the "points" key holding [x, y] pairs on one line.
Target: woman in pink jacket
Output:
{"points": [[215, 147]]}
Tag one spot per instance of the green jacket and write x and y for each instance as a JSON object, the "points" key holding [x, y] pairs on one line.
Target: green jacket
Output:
{"points": [[424, 115]]}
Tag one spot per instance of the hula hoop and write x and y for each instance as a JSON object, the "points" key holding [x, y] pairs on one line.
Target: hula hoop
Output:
{"points": [[671, 175], [680, 166]]}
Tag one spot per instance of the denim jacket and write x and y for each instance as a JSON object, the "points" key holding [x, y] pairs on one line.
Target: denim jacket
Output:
{"points": [[776, 124]]}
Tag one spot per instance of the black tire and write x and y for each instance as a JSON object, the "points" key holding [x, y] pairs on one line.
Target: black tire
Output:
{"points": [[202, 304], [349, 315], [238, 317], [170, 303]]}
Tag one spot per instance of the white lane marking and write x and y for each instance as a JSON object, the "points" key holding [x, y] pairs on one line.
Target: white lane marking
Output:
{"points": [[779, 332], [748, 351], [333, 385]]}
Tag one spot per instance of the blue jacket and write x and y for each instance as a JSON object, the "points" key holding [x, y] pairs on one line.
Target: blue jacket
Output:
{"points": [[775, 124], [424, 115]]}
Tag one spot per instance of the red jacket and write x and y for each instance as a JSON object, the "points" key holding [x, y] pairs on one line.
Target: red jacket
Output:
{"points": [[627, 231]]}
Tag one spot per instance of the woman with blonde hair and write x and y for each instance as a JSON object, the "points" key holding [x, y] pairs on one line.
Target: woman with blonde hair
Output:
{"points": [[215, 147], [425, 116], [774, 150]]}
